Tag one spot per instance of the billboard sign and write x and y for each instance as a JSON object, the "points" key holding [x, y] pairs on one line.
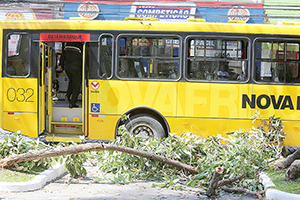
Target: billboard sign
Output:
{"points": [[88, 10], [163, 10], [238, 13], [18, 14]]}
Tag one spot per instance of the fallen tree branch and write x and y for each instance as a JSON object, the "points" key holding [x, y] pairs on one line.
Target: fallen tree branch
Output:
{"points": [[273, 159], [239, 189], [54, 152], [211, 191], [293, 172], [288, 161], [37, 155], [235, 189], [230, 180], [226, 181]]}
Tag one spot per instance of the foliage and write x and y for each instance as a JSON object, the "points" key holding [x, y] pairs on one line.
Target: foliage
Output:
{"points": [[74, 164], [272, 131], [17, 145], [240, 152], [22, 171]]}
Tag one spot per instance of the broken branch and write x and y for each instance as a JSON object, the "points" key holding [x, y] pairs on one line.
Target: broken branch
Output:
{"points": [[211, 191], [37, 155]]}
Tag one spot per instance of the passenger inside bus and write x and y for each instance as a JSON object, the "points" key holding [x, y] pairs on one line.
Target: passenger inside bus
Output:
{"points": [[242, 76], [292, 75], [223, 74], [71, 62], [131, 68]]}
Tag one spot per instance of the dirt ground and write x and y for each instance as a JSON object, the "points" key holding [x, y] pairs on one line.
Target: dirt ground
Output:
{"points": [[66, 188]]}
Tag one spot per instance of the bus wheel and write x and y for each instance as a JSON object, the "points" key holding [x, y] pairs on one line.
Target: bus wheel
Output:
{"points": [[146, 126]]}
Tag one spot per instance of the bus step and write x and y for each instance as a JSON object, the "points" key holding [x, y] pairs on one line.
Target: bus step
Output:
{"points": [[66, 123], [63, 137], [67, 127]]}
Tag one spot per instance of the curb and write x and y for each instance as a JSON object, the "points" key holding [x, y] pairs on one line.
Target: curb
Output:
{"points": [[37, 182], [274, 194]]}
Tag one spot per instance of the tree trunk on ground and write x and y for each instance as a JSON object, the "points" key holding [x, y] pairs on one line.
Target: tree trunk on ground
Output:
{"points": [[293, 172], [211, 191], [288, 161], [37, 155]]}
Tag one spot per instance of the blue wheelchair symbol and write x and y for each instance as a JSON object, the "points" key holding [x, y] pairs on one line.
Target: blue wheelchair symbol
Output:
{"points": [[95, 107]]}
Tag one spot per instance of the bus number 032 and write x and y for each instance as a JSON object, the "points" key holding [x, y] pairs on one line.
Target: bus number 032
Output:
{"points": [[20, 94]]}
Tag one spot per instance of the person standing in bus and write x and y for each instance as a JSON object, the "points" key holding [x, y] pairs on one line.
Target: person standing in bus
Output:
{"points": [[71, 62]]}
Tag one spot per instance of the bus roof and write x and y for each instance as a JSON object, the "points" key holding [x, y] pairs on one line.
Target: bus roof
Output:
{"points": [[139, 25]]}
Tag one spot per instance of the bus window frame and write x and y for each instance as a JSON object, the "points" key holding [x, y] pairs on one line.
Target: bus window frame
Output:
{"points": [[112, 55], [180, 56], [6, 54], [270, 39], [217, 37]]}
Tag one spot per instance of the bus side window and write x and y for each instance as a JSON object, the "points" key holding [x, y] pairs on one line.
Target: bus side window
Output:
{"points": [[292, 68], [105, 56], [18, 53], [217, 59], [277, 61], [152, 57]]}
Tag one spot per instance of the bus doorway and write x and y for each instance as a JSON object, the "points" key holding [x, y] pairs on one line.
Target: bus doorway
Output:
{"points": [[63, 122]]}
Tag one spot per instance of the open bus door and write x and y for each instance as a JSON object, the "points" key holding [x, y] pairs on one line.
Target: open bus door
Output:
{"points": [[41, 88], [64, 123]]}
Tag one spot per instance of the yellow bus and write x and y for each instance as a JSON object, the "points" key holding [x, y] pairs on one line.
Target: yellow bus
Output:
{"points": [[185, 76]]}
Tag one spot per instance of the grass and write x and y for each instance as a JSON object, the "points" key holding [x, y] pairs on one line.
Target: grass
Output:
{"points": [[278, 177], [10, 175]]}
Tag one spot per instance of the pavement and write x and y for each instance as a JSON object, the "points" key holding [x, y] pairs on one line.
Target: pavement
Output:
{"points": [[57, 184]]}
